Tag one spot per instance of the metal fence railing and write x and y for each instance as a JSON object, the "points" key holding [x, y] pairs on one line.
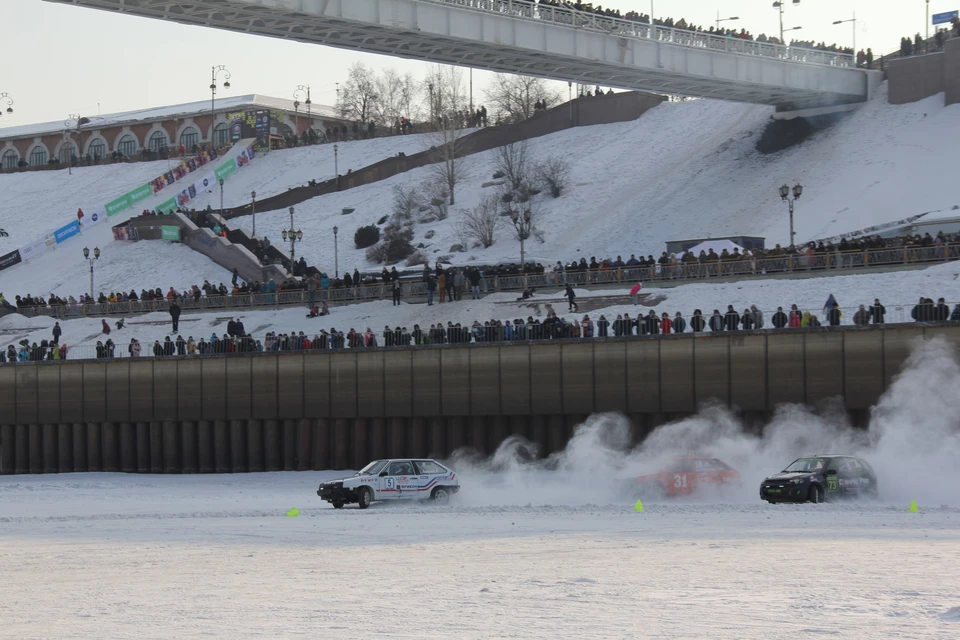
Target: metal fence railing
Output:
{"points": [[637, 325], [567, 16], [800, 263]]}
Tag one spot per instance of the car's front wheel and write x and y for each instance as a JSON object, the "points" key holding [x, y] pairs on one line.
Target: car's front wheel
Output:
{"points": [[816, 494], [337, 505], [441, 495], [365, 498]]}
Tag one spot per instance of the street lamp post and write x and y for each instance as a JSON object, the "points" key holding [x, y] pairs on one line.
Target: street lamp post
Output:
{"points": [[779, 5], [785, 194], [336, 257], [221, 197], [854, 21], [301, 91], [253, 210], [5, 98], [521, 221], [96, 256], [72, 121], [293, 235], [719, 19], [214, 72], [336, 165]]}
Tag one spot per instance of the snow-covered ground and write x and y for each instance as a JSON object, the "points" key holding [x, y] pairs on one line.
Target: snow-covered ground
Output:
{"points": [[683, 170], [526, 550], [897, 290]]}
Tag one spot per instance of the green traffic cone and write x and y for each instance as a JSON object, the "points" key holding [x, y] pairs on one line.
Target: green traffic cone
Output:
{"points": [[639, 506], [913, 507], [293, 513]]}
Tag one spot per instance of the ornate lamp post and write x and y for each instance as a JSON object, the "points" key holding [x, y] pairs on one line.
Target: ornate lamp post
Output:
{"points": [[522, 223], [5, 98], [253, 210], [293, 235], [336, 258], [785, 195], [214, 72], [96, 256]]}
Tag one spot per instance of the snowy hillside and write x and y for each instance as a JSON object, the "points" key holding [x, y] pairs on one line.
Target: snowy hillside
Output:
{"points": [[682, 170], [898, 291]]}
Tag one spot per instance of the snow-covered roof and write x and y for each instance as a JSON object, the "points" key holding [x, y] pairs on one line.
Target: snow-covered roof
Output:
{"points": [[164, 113]]}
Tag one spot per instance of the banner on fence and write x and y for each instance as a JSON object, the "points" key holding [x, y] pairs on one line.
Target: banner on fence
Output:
{"points": [[123, 232], [94, 217], [227, 169], [33, 249], [9, 260], [168, 207], [943, 18], [140, 193], [66, 232], [170, 232]]}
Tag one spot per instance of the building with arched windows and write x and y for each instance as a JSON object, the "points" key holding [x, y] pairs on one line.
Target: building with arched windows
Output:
{"points": [[150, 133]]}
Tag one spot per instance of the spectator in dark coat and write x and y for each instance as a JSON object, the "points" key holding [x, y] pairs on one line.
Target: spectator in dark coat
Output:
{"points": [[731, 321], [877, 312], [779, 319]]}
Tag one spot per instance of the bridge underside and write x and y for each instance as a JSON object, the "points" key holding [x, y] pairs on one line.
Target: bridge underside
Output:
{"points": [[280, 20]]}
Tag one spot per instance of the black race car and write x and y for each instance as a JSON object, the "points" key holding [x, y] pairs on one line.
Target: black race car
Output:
{"points": [[819, 478]]}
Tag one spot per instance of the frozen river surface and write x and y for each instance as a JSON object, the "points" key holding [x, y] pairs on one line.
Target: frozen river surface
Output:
{"points": [[115, 556]]}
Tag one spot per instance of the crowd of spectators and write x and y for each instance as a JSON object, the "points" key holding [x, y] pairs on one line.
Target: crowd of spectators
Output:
{"points": [[917, 45], [236, 339]]}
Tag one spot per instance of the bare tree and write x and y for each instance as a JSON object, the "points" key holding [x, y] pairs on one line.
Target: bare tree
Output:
{"points": [[447, 145], [444, 91], [395, 96], [553, 174], [406, 202], [359, 94], [515, 97], [481, 222], [511, 161]]}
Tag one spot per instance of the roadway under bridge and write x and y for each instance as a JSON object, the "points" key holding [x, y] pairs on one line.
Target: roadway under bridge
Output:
{"points": [[518, 36]]}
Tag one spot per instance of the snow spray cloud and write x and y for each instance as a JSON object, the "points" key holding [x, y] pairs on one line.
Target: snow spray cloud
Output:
{"points": [[913, 442]]}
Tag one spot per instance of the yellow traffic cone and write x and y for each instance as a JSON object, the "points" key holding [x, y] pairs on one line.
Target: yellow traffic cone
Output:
{"points": [[913, 507], [639, 506]]}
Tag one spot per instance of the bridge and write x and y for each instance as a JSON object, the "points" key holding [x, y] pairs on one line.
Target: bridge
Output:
{"points": [[524, 37]]}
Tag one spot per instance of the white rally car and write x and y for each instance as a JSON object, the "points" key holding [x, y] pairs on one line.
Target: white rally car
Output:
{"points": [[398, 479]]}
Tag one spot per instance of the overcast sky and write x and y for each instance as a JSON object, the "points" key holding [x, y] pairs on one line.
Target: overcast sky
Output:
{"points": [[59, 59]]}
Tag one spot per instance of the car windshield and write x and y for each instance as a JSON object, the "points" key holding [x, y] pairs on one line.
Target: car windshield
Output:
{"points": [[806, 465], [373, 468]]}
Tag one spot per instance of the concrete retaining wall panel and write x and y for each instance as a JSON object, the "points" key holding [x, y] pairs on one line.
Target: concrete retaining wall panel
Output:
{"points": [[785, 369], [426, 382], [824, 358], [360, 441], [372, 383], [340, 444], [343, 385], [258, 450], [556, 434], [456, 432], [537, 433], [239, 388], [418, 446], [8, 449], [397, 437], [950, 336], [190, 458], [205, 447], [189, 389], [398, 384], [71, 392], [437, 438], [143, 447], [576, 362], [79, 430], [222, 456], [897, 346], [610, 376], [485, 381], [50, 449], [676, 375], [110, 438], [265, 391], [64, 448], [21, 445], [127, 433], [118, 391], [863, 368], [8, 396], [316, 385], [94, 447], [213, 380], [321, 444], [156, 447], [141, 390], [378, 438], [35, 448], [172, 457], [643, 376], [95, 391], [546, 382], [515, 379], [48, 383], [304, 444], [165, 390], [748, 372], [239, 460], [915, 78], [454, 382], [711, 374], [27, 394], [290, 385], [271, 444], [289, 430], [477, 434]]}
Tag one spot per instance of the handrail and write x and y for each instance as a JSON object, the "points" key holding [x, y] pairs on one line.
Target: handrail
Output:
{"points": [[568, 17], [798, 263]]}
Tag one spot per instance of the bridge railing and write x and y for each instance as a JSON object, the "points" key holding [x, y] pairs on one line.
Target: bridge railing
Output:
{"points": [[566, 16]]}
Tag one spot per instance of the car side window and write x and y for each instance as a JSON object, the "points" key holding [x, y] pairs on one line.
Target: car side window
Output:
{"points": [[429, 467], [400, 469]]}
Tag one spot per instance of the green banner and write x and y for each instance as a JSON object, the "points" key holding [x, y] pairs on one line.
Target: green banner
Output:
{"points": [[170, 233], [118, 205], [226, 169], [140, 193], [168, 207]]}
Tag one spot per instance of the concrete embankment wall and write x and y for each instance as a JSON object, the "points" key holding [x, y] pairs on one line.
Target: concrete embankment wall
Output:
{"points": [[338, 410], [918, 77]]}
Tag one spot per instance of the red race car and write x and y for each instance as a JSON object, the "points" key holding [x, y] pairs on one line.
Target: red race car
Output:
{"points": [[686, 474]]}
